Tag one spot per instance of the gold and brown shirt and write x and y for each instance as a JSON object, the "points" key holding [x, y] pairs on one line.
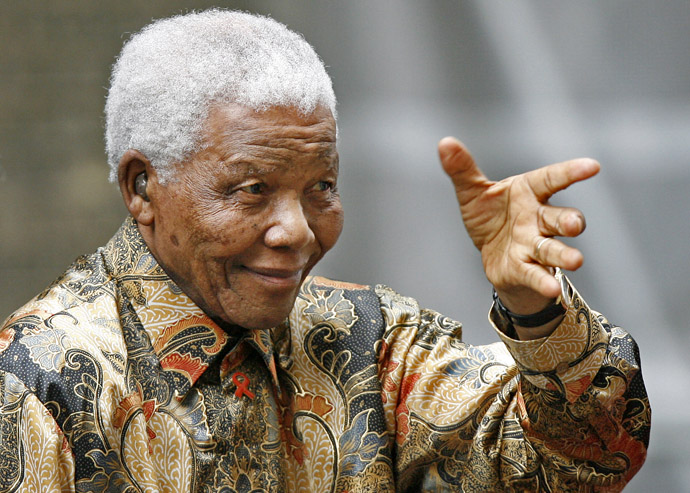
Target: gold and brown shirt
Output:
{"points": [[112, 379]]}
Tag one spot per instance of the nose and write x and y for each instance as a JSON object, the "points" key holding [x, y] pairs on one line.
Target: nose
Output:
{"points": [[289, 226]]}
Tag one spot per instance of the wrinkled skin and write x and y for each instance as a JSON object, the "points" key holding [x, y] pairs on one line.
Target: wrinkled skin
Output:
{"points": [[244, 220]]}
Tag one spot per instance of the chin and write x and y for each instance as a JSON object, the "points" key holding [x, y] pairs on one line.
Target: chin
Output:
{"points": [[258, 309], [254, 319], [265, 324]]}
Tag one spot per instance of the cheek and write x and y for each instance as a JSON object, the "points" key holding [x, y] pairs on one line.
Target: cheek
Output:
{"points": [[223, 234], [330, 226]]}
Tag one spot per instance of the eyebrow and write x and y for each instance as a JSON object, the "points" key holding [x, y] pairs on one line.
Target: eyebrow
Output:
{"points": [[242, 164], [252, 169]]}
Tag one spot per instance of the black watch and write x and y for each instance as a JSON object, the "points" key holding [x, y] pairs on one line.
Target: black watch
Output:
{"points": [[533, 320]]}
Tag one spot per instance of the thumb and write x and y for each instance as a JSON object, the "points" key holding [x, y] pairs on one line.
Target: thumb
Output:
{"points": [[459, 164]]}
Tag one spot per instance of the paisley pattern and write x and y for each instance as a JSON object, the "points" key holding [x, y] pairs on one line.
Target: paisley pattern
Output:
{"points": [[113, 380]]}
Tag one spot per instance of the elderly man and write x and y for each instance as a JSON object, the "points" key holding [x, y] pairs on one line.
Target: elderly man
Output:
{"points": [[194, 353]]}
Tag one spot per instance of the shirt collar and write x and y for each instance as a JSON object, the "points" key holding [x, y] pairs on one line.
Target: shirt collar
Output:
{"points": [[184, 338]]}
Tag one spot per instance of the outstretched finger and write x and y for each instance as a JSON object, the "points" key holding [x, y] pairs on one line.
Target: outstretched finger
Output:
{"points": [[459, 164], [548, 180]]}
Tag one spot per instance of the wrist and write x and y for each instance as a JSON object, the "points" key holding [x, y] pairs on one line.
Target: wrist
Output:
{"points": [[552, 311], [534, 313]]}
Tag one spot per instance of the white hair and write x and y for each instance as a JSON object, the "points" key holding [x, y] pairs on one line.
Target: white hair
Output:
{"points": [[170, 73]]}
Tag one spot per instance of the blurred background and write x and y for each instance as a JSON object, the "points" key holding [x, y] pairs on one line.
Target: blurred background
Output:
{"points": [[522, 83]]}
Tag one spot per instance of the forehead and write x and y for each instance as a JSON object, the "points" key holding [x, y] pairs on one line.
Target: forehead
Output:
{"points": [[236, 133]]}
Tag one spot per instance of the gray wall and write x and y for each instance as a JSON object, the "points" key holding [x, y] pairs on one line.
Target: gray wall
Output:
{"points": [[523, 83]]}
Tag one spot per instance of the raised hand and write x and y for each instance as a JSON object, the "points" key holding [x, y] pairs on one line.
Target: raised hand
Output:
{"points": [[513, 225]]}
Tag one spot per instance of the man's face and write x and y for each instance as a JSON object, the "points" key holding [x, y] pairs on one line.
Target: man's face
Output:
{"points": [[245, 220]]}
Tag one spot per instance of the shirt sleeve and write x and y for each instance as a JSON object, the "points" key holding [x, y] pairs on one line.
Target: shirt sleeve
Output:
{"points": [[34, 453], [582, 394], [555, 414]]}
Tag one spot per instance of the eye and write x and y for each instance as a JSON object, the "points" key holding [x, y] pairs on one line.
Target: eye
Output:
{"points": [[323, 186], [254, 188]]}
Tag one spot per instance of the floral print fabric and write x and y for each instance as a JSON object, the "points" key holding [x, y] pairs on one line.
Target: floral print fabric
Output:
{"points": [[113, 380]]}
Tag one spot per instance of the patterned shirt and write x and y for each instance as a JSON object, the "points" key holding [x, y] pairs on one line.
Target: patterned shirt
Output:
{"points": [[112, 379]]}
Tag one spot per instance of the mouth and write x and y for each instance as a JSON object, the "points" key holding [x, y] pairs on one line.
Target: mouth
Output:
{"points": [[278, 277]]}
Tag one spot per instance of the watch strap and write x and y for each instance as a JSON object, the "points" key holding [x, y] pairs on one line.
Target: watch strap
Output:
{"points": [[532, 320]]}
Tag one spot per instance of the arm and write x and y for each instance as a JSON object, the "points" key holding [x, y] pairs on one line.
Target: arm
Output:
{"points": [[563, 413], [579, 398]]}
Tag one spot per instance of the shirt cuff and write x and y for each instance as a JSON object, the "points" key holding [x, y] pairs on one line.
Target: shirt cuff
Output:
{"points": [[567, 360]]}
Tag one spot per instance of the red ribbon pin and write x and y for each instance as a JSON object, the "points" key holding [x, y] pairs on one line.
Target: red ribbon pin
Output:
{"points": [[242, 382]]}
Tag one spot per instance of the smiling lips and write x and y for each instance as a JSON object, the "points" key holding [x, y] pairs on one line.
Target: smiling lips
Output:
{"points": [[281, 278]]}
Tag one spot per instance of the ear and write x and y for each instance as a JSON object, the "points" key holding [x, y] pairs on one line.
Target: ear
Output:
{"points": [[133, 164]]}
